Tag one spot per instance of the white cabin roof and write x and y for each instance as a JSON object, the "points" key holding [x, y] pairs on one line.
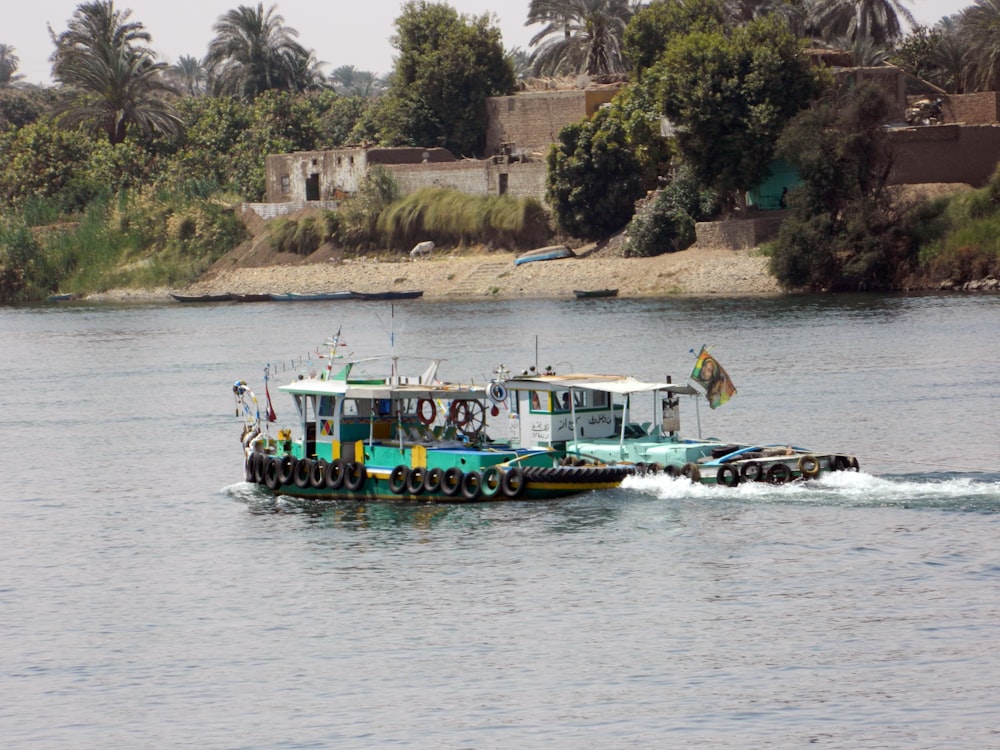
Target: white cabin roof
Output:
{"points": [[621, 384]]}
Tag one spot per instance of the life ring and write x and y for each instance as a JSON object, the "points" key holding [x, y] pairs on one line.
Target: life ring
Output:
{"points": [[317, 474], [778, 473], [497, 392], [334, 479], [397, 479], [751, 471], [303, 468], [271, 474], [691, 471], [513, 484], [472, 486], [808, 466], [451, 482], [433, 479], [415, 481], [286, 468], [492, 479], [355, 476], [728, 475], [422, 406]]}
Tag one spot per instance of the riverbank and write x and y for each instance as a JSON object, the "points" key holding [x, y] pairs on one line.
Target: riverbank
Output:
{"points": [[697, 271]]}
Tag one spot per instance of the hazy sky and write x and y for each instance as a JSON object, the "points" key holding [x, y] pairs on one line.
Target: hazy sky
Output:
{"points": [[341, 33]]}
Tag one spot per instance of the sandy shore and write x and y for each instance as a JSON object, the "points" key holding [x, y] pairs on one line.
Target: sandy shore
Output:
{"points": [[693, 272]]}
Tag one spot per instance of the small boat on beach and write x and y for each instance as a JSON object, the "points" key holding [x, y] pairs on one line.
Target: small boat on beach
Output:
{"points": [[359, 436], [594, 293], [259, 297], [403, 294], [552, 252], [201, 298], [312, 296]]}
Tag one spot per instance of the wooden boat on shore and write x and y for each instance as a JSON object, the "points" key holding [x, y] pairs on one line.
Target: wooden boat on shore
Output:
{"points": [[594, 293], [552, 252], [259, 297], [201, 298], [355, 436], [312, 296], [403, 294]]}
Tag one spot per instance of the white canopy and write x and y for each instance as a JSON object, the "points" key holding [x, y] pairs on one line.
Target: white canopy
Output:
{"points": [[620, 384]]}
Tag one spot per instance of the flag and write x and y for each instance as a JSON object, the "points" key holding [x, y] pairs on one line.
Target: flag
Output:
{"points": [[708, 374]]}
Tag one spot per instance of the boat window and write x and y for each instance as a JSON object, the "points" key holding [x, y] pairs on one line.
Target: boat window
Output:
{"points": [[327, 405], [561, 401], [540, 401], [579, 399]]}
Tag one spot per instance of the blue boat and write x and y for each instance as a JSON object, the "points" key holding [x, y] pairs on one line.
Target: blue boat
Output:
{"points": [[312, 297], [552, 252]]}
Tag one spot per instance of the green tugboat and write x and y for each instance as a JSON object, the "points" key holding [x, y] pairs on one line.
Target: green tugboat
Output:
{"points": [[356, 437]]}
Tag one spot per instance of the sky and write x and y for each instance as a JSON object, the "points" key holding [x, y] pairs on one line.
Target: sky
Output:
{"points": [[340, 33]]}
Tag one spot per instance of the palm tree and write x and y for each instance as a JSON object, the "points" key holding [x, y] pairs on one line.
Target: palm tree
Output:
{"points": [[254, 51], [980, 28], [579, 36], [349, 81], [110, 79], [9, 63], [875, 20], [189, 74]]}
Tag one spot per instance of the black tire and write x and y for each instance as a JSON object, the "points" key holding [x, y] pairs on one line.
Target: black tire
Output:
{"points": [[840, 463], [355, 476], [670, 470], [248, 468], [260, 463], [271, 474], [853, 464], [451, 483], [286, 468], [492, 479], [317, 474], [808, 466], [513, 483], [432, 482], [397, 479], [655, 468], [302, 471], [728, 475], [415, 481], [472, 486], [752, 471], [779, 473], [335, 474]]}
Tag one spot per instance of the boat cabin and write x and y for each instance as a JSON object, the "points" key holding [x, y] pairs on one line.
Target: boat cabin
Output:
{"points": [[553, 410]]}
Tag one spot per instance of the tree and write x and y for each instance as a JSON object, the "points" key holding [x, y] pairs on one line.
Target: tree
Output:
{"points": [[841, 234], [980, 25], [579, 36], [730, 97], [189, 74], [875, 20], [446, 68], [593, 177], [653, 26], [9, 63], [111, 79], [253, 51]]}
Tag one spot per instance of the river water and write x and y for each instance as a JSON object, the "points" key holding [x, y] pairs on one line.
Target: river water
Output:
{"points": [[150, 598]]}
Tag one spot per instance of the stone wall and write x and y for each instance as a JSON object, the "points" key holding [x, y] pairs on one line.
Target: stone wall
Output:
{"points": [[738, 234], [944, 153], [530, 122], [982, 108]]}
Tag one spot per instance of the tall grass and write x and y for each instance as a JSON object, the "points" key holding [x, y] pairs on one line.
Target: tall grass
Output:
{"points": [[450, 217]]}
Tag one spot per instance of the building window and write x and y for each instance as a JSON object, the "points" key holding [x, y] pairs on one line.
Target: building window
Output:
{"points": [[286, 184]]}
